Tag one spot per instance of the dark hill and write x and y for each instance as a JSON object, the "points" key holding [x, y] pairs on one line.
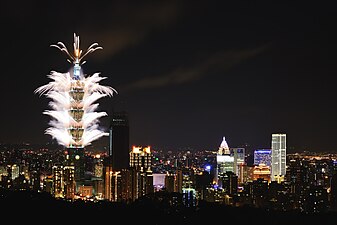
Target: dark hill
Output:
{"points": [[34, 207]]}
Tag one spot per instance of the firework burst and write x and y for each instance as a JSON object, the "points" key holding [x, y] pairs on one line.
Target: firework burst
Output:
{"points": [[74, 99]]}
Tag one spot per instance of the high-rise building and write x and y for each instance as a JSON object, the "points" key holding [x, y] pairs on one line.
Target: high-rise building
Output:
{"points": [[119, 140], [69, 182], [73, 103], [278, 156], [225, 161], [57, 189], [262, 156], [261, 171], [107, 177], [75, 158], [239, 158], [141, 158]]}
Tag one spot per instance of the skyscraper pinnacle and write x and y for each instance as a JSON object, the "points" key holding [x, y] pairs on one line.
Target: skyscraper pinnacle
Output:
{"points": [[224, 149]]}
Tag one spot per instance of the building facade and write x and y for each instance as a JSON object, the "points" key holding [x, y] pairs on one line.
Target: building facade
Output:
{"points": [[119, 146], [278, 156]]}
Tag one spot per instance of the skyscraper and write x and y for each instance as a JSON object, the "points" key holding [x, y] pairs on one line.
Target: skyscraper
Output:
{"points": [[224, 160], [119, 140], [239, 158], [74, 94], [262, 156], [141, 158], [278, 156]]}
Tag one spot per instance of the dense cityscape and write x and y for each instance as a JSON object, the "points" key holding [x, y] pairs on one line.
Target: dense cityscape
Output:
{"points": [[235, 177], [196, 88]]}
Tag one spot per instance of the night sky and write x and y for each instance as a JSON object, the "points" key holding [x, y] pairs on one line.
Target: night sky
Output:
{"points": [[187, 72]]}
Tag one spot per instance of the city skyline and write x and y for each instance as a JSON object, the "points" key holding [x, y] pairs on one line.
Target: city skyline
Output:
{"points": [[186, 74]]}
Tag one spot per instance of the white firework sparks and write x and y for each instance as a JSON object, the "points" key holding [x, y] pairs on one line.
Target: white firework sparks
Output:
{"points": [[74, 101]]}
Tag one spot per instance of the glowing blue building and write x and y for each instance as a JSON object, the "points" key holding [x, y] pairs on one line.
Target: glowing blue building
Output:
{"points": [[262, 156]]}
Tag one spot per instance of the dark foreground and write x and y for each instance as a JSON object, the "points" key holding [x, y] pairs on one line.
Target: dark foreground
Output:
{"points": [[30, 207]]}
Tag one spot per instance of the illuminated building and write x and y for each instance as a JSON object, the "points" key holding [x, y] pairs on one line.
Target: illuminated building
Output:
{"points": [[107, 173], [248, 172], [127, 187], [278, 156], [239, 160], [85, 191], [15, 171], [230, 183], [63, 181], [159, 181], [119, 146], [262, 156], [98, 169], [179, 180], [69, 182], [141, 161], [3, 172], [128, 184], [225, 161], [186, 185], [74, 94], [98, 187], [75, 158], [48, 184], [261, 171], [141, 158], [57, 191]]}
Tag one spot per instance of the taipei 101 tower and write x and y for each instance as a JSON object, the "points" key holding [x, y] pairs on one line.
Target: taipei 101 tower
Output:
{"points": [[74, 120]]}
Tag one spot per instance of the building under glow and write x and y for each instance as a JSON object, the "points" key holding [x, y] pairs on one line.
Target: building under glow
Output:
{"points": [[239, 160], [262, 156], [278, 156], [141, 158], [261, 171], [224, 160], [74, 94]]}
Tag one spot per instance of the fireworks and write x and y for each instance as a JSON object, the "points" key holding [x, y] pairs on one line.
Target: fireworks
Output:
{"points": [[73, 102]]}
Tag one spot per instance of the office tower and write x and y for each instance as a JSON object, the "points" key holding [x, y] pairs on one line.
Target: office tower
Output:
{"points": [[230, 183], [141, 161], [141, 158], [75, 158], [278, 156], [57, 189], [248, 174], [262, 156], [225, 162], [69, 182], [119, 140], [108, 173], [239, 158], [238, 154]]}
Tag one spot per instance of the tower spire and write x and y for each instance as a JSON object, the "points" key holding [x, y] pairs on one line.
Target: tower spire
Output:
{"points": [[223, 148], [77, 56]]}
